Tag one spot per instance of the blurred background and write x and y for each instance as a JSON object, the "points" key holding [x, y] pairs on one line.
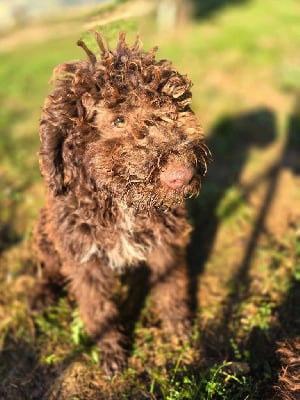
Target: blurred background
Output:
{"points": [[243, 57]]}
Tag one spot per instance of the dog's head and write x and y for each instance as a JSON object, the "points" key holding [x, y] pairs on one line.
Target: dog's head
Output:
{"points": [[122, 125]]}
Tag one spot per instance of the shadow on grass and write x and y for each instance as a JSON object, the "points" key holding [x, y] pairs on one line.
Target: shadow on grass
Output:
{"points": [[22, 376], [287, 332], [206, 8], [8, 237], [11, 197], [137, 282], [230, 142], [9, 203], [38, 359]]}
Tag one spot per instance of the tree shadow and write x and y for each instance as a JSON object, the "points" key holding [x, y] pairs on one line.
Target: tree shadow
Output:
{"points": [[137, 283], [8, 237], [206, 8], [286, 333], [291, 158], [27, 374], [9, 202], [23, 376], [230, 142]]}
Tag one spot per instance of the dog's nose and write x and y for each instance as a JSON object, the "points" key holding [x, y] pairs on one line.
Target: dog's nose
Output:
{"points": [[176, 176]]}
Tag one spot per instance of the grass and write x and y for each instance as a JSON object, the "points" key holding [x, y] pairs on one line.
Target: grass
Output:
{"points": [[245, 253]]}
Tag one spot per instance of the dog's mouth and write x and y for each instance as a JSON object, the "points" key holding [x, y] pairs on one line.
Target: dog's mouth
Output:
{"points": [[165, 193], [164, 188], [172, 198], [185, 191]]}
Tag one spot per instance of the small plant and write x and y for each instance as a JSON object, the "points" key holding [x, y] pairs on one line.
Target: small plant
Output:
{"points": [[81, 339], [50, 359], [221, 382], [182, 385], [258, 316], [225, 381], [185, 388], [52, 323]]}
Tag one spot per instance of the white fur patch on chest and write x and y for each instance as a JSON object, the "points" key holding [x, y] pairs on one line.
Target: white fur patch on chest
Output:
{"points": [[126, 250], [93, 251]]}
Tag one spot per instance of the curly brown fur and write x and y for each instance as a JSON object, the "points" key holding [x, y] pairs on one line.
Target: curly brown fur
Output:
{"points": [[120, 151], [288, 387]]}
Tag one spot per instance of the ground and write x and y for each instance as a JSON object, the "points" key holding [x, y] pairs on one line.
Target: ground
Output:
{"points": [[245, 251]]}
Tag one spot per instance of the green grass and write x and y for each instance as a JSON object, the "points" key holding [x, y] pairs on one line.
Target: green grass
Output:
{"points": [[243, 60]]}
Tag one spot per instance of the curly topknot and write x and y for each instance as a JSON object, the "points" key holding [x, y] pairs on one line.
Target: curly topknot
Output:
{"points": [[130, 69]]}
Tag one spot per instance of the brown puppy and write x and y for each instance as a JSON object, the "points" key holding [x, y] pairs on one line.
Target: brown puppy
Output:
{"points": [[120, 151]]}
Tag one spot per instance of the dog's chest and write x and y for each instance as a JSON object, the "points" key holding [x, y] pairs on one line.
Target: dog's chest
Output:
{"points": [[127, 243]]}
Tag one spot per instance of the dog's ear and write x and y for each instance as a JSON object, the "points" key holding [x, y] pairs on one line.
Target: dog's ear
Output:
{"points": [[55, 125], [51, 159], [65, 122]]}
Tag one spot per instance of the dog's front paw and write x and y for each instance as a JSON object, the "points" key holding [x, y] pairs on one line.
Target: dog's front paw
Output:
{"points": [[113, 358]]}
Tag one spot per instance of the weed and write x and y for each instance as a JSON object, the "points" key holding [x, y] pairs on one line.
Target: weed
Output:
{"points": [[78, 334], [50, 359]]}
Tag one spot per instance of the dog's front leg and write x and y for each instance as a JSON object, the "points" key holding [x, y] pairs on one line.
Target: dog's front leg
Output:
{"points": [[93, 286], [169, 283]]}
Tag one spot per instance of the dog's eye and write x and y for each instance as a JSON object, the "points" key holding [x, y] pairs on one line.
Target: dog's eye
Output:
{"points": [[119, 122], [149, 122]]}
